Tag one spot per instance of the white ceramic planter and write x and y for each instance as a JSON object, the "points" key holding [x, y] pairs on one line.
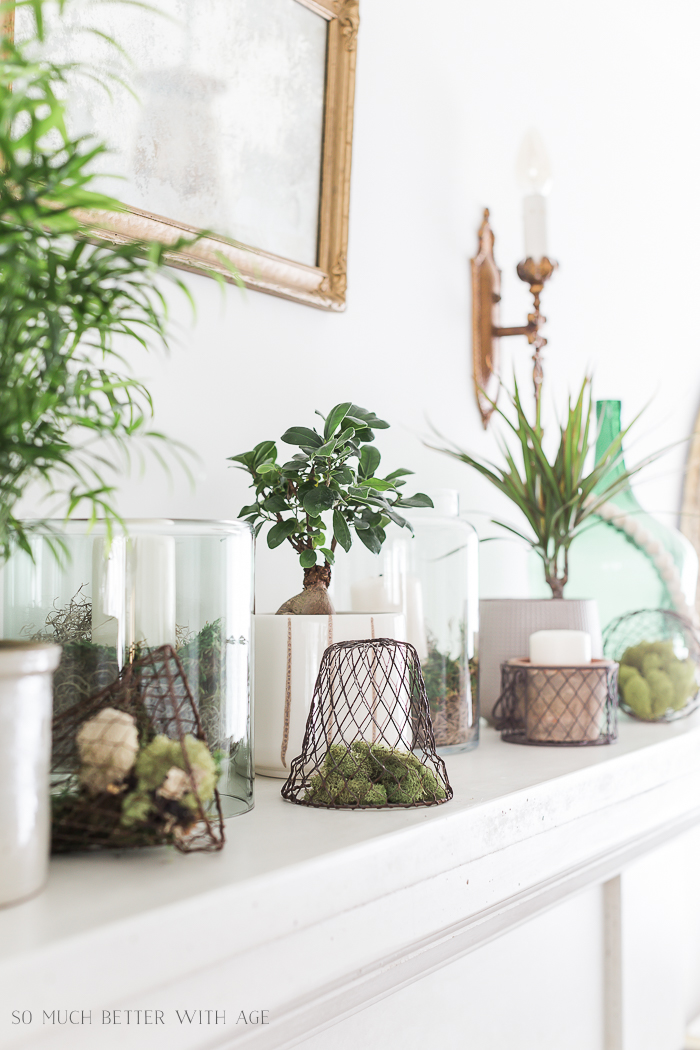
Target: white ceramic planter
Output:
{"points": [[505, 626], [26, 670], [288, 651]]}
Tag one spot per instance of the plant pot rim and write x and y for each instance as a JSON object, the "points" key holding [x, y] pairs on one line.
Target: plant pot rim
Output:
{"points": [[322, 616], [532, 601], [595, 664]]}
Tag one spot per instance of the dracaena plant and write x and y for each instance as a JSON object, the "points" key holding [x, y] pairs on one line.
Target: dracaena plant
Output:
{"points": [[64, 301], [324, 494], [557, 496]]}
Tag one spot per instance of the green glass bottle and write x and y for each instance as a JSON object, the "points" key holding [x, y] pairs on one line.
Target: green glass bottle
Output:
{"points": [[625, 558]]}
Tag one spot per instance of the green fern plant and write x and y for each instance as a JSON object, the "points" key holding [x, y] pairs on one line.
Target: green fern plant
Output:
{"points": [[64, 301]]}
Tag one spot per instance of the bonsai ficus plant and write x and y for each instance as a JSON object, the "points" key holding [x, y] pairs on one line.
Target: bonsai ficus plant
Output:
{"points": [[325, 493], [556, 494]]}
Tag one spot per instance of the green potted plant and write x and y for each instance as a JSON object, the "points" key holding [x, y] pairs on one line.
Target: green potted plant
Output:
{"points": [[558, 497], [327, 493], [63, 303]]}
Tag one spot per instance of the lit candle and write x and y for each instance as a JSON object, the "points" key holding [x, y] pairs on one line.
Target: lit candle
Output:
{"points": [[535, 179], [560, 648]]}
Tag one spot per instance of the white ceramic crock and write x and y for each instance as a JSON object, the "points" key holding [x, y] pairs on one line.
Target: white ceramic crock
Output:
{"points": [[288, 652], [26, 670]]}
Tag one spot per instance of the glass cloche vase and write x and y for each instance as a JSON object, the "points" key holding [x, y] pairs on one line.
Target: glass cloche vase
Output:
{"points": [[432, 578], [184, 584]]}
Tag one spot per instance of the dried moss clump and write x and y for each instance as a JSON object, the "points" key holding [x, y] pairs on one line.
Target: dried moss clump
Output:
{"points": [[653, 681], [160, 788], [446, 687], [372, 775], [85, 668]]}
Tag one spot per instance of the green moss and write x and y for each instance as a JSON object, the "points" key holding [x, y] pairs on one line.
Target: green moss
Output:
{"points": [[204, 664], [372, 775], [152, 767], [661, 688], [650, 662], [653, 680], [682, 675]]}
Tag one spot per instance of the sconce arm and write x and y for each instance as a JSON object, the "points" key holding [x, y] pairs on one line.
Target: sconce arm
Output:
{"points": [[526, 329]]}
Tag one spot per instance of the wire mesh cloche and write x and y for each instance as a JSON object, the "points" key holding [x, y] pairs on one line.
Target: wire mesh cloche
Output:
{"points": [[131, 766], [369, 739], [659, 655], [109, 601]]}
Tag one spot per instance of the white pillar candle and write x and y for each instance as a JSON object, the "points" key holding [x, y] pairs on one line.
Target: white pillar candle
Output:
{"points": [[372, 596], [153, 576], [108, 593], [415, 620], [560, 648]]}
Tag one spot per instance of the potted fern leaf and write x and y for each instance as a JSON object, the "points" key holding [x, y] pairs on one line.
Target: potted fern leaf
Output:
{"points": [[64, 301]]}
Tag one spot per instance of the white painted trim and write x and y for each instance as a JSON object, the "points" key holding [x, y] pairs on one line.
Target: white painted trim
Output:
{"points": [[316, 915]]}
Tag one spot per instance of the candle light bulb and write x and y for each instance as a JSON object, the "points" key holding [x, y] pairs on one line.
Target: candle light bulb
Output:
{"points": [[533, 168], [534, 173]]}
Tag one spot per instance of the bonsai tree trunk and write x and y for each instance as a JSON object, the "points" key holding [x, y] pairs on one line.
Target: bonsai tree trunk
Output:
{"points": [[314, 599]]}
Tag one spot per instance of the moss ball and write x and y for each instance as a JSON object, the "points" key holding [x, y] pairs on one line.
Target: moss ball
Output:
{"points": [[661, 688], [636, 693]]}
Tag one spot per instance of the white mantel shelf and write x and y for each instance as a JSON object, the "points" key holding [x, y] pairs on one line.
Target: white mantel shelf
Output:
{"points": [[313, 915]]}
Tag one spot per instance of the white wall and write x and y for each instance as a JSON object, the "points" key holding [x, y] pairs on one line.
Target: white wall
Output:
{"points": [[444, 94]]}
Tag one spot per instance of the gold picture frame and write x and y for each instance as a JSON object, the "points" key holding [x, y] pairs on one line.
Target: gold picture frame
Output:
{"points": [[322, 286]]}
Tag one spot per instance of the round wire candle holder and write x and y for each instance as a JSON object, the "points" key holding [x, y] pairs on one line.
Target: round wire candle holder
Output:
{"points": [[658, 651], [369, 741], [551, 706]]}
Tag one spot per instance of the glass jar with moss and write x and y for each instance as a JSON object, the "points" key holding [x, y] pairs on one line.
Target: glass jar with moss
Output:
{"points": [[432, 577], [109, 600], [658, 651]]}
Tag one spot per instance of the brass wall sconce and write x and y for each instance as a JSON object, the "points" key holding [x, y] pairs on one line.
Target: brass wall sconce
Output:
{"points": [[486, 324]]}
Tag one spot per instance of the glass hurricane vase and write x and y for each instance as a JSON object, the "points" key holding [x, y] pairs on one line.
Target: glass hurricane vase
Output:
{"points": [[184, 584]]}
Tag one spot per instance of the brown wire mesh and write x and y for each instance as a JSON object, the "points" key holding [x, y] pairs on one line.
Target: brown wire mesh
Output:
{"points": [[659, 655], [103, 795], [557, 706], [369, 739]]}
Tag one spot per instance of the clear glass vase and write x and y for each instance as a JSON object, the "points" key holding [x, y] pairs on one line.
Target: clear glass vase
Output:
{"points": [[626, 559], [432, 578], [186, 584]]}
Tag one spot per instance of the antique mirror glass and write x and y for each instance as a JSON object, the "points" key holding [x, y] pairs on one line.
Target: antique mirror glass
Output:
{"points": [[234, 129]]}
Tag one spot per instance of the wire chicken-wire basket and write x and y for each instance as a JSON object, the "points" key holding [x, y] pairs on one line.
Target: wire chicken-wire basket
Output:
{"points": [[166, 795], [659, 655], [369, 739], [557, 706]]}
